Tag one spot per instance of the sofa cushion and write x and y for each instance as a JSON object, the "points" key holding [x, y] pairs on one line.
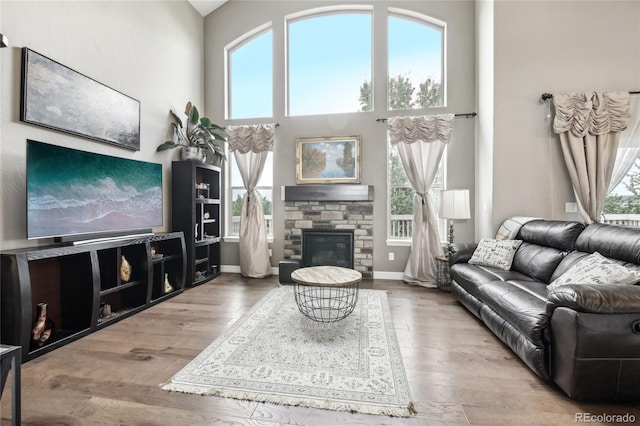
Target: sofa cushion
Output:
{"points": [[461, 252], [596, 269], [566, 263], [558, 234], [520, 304], [496, 253], [530, 353], [472, 277], [615, 242], [537, 261]]}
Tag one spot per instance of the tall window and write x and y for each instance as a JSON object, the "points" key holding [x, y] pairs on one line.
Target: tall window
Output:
{"points": [[416, 65], [250, 76], [416, 70], [249, 95], [237, 191], [329, 60], [400, 198]]}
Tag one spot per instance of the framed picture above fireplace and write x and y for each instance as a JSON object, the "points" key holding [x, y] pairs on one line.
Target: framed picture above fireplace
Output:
{"points": [[328, 160]]}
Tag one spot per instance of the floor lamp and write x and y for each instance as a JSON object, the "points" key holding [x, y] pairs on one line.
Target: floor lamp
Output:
{"points": [[454, 204]]}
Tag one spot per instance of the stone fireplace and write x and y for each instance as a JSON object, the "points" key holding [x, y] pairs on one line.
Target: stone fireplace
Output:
{"points": [[330, 208]]}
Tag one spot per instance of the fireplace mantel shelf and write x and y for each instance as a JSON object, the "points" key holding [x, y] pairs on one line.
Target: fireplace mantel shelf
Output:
{"points": [[338, 192]]}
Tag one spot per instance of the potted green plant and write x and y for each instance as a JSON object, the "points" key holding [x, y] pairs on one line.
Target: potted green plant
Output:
{"points": [[197, 139]]}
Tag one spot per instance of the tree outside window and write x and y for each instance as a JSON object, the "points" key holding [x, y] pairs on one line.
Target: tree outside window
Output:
{"points": [[622, 205]]}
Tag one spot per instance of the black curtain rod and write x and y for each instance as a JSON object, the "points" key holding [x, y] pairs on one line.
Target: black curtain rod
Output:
{"points": [[466, 114], [546, 96]]}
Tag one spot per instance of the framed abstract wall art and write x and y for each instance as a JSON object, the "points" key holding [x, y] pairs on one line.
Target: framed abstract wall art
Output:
{"points": [[57, 97], [328, 160]]}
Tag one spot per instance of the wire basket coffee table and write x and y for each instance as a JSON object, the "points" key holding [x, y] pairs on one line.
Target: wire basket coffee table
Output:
{"points": [[326, 293]]}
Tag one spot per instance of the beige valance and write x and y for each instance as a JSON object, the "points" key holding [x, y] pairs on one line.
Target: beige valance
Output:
{"points": [[255, 138], [595, 113], [426, 128]]}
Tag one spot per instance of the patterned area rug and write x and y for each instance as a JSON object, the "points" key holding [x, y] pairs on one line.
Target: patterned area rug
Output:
{"points": [[275, 354]]}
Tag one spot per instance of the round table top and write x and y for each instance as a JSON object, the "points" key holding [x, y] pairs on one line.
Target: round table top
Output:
{"points": [[326, 276]]}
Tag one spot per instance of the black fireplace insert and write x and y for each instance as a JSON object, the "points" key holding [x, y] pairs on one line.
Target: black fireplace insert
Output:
{"points": [[327, 247]]}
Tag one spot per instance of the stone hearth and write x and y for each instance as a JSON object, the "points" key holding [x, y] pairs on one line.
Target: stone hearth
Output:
{"points": [[331, 215]]}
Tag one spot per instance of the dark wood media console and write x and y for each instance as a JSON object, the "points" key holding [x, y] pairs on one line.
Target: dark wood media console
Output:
{"points": [[81, 283]]}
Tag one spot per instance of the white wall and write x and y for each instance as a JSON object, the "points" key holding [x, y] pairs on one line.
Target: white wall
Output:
{"points": [[484, 123], [234, 19], [151, 51], [550, 46]]}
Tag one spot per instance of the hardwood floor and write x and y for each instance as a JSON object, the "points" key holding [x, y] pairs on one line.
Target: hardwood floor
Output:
{"points": [[459, 373]]}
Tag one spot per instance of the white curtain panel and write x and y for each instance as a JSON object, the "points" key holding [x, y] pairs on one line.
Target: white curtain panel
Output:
{"points": [[421, 141], [629, 147], [589, 125], [250, 146]]}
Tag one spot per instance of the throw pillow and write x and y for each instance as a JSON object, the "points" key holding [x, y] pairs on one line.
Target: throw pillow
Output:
{"points": [[596, 269], [496, 253]]}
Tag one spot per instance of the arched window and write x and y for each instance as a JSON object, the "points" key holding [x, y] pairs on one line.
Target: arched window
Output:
{"points": [[329, 59], [416, 81], [249, 88], [250, 75], [416, 61]]}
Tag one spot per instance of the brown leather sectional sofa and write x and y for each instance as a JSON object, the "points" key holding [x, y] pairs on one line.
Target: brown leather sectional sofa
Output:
{"points": [[584, 338]]}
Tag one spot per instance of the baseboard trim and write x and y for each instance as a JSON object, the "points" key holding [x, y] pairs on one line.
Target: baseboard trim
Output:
{"points": [[377, 275], [386, 275], [235, 269]]}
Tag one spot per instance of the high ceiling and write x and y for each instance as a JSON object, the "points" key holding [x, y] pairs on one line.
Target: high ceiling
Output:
{"points": [[205, 7]]}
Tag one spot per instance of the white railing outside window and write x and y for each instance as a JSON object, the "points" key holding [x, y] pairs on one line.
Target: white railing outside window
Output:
{"points": [[632, 220], [401, 226], [235, 225]]}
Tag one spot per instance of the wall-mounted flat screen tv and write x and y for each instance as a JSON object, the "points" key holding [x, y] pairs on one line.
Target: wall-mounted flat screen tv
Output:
{"points": [[73, 194]]}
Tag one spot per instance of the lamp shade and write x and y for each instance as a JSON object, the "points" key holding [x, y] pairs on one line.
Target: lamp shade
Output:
{"points": [[454, 204]]}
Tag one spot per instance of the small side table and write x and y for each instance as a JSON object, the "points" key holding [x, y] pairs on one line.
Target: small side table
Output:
{"points": [[10, 360], [443, 278]]}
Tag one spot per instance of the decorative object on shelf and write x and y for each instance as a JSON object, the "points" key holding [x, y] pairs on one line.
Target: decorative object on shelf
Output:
{"points": [[105, 309], [193, 153], [154, 253], [195, 233], [202, 190], [168, 288], [454, 204], [328, 160], [206, 215], [125, 270], [42, 327], [197, 139], [57, 97]]}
